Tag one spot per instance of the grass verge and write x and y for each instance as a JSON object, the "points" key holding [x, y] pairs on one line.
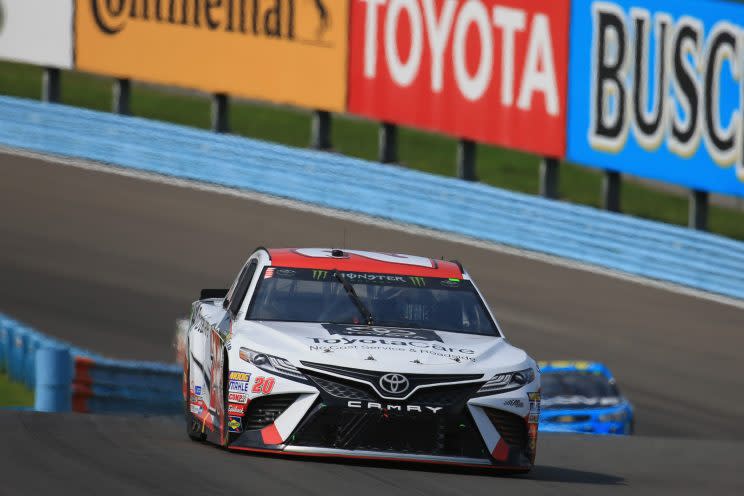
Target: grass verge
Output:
{"points": [[418, 150], [13, 393]]}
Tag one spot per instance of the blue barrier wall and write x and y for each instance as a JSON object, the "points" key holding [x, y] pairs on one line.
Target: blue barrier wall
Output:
{"points": [[97, 384], [636, 246]]}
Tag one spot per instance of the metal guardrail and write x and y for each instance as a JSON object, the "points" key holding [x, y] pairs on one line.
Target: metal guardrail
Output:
{"points": [[635, 246], [66, 378]]}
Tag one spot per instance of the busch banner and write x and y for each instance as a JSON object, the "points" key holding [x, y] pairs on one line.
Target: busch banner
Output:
{"points": [[493, 71], [657, 88]]}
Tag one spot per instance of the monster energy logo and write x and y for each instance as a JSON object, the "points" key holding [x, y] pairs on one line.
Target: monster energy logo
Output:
{"points": [[417, 281], [320, 274]]}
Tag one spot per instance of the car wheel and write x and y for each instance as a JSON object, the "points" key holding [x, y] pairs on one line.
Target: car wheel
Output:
{"points": [[192, 424]]}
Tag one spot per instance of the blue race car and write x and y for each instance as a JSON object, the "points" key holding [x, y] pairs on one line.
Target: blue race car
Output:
{"points": [[582, 397]]}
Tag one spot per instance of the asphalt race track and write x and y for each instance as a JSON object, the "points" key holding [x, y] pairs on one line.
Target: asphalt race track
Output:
{"points": [[109, 262]]}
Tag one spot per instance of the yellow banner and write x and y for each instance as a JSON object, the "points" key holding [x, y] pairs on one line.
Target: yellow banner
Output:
{"points": [[284, 51]]}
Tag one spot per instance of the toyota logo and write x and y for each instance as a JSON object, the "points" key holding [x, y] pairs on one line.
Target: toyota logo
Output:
{"points": [[394, 383]]}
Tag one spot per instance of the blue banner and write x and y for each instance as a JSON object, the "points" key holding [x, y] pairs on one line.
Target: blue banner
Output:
{"points": [[656, 90]]}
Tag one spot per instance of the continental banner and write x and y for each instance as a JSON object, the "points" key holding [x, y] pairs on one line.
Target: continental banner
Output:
{"points": [[37, 32], [284, 51], [657, 90]]}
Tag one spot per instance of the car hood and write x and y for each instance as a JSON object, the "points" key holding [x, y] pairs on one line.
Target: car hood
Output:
{"points": [[382, 349]]}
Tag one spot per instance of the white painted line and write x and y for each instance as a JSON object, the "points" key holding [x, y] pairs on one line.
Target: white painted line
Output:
{"points": [[377, 222]]}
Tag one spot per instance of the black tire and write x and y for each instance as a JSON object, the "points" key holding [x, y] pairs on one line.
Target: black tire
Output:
{"points": [[193, 429]]}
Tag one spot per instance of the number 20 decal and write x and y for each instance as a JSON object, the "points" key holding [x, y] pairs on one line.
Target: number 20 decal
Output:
{"points": [[263, 385]]}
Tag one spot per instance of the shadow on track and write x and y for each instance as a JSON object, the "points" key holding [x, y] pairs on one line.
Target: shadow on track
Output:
{"points": [[543, 473], [548, 473]]}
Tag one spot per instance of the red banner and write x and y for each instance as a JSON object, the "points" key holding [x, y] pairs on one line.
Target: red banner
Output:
{"points": [[493, 71]]}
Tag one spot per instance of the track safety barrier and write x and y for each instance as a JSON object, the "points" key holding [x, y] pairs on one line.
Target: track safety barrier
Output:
{"points": [[66, 378], [636, 246]]}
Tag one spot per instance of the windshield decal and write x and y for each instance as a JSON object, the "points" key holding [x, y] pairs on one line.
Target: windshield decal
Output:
{"points": [[382, 332]]}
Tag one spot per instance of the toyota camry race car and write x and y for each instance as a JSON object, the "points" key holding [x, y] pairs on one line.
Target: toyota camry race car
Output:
{"points": [[582, 397], [346, 353]]}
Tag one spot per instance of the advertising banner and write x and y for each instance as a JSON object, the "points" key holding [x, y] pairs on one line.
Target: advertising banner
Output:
{"points": [[284, 51], [656, 90], [37, 32], [492, 71]]}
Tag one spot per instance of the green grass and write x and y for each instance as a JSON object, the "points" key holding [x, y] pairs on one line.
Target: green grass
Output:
{"points": [[14, 394], [418, 150]]}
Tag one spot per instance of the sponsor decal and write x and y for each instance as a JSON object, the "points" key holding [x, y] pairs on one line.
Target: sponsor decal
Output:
{"points": [[235, 424], [267, 49], [238, 386], [319, 275], [269, 273], [394, 383], [370, 405], [201, 325], [427, 63], [657, 91], [197, 390], [532, 440], [263, 385], [356, 277], [386, 332], [236, 409], [196, 409], [325, 345], [514, 403], [194, 398], [417, 281], [533, 418], [451, 283], [237, 397], [239, 376], [286, 272]]}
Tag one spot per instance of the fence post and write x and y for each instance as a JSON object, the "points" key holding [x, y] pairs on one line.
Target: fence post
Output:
{"points": [[466, 160], [120, 101], [698, 210], [220, 113], [53, 380], [320, 131], [611, 183], [50, 85], [549, 178], [388, 143]]}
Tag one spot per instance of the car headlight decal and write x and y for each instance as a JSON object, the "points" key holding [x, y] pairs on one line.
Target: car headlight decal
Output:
{"points": [[270, 363], [508, 381]]}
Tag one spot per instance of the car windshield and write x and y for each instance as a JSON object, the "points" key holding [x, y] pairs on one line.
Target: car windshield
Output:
{"points": [[327, 296], [577, 389]]}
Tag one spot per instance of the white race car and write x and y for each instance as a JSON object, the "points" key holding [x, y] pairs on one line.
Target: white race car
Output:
{"points": [[347, 353]]}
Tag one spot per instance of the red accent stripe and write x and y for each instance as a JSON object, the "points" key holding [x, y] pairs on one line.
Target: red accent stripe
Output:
{"points": [[378, 458], [270, 435], [501, 451], [284, 257], [81, 385]]}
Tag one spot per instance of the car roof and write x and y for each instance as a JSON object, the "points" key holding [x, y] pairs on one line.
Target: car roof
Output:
{"points": [[558, 366], [364, 261]]}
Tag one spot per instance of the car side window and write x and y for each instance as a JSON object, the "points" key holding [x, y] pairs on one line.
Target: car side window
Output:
{"points": [[241, 288]]}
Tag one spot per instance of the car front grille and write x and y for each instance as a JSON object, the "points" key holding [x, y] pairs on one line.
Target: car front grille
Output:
{"points": [[512, 428], [375, 430], [264, 410]]}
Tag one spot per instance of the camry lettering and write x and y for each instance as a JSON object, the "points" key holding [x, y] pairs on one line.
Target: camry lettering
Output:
{"points": [[371, 405]]}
